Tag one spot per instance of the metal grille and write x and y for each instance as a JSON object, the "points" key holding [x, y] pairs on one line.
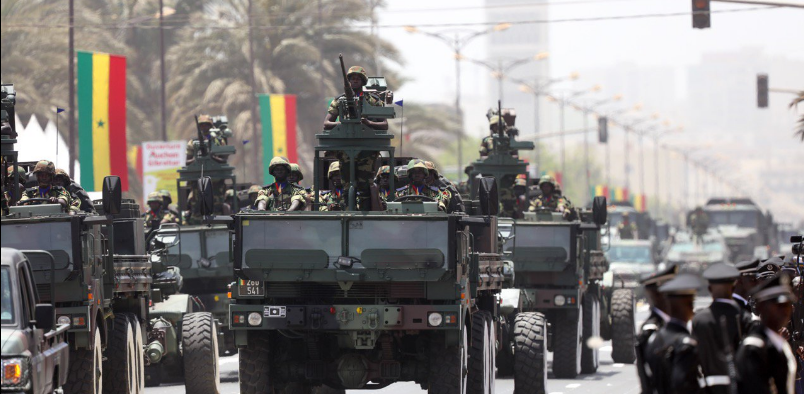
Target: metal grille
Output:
{"points": [[333, 291], [44, 292]]}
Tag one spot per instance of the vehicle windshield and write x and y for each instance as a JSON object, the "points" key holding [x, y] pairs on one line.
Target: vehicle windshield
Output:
{"points": [[546, 238], [190, 248], [7, 312], [217, 245], [629, 254], [53, 237], [748, 219], [691, 247]]}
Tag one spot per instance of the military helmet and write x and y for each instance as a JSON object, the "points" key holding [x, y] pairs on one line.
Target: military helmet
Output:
{"points": [[494, 120], [61, 173], [385, 170], [278, 161], [547, 179], [295, 168], [431, 166], [254, 189], [165, 193], [229, 193], [335, 166], [521, 180], [417, 163], [204, 119], [20, 170], [155, 197], [45, 166], [360, 71], [557, 187]]}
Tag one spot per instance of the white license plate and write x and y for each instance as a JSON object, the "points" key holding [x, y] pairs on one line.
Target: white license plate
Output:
{"points": [[251, 288]]}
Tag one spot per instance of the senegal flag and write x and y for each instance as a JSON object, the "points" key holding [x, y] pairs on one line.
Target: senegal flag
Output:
{"points": [[101, 118], [278, 119]]}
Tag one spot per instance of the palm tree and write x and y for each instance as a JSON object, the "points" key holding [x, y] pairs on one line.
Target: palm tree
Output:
{"points": [[794, 104], [428, 129]]}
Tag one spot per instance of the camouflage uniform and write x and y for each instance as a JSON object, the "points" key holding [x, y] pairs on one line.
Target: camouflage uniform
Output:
{"points": [[423, 190], [279, 197], [699, 222], [219, 207], [487, 144], [154, 218], [627, 231], [214, 138], [335, 199], [552, 201], [80, 198], [167, 202], [51, 191], [384, 193]]}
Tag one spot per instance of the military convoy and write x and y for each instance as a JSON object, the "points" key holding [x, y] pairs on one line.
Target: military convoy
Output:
{"points": [[749, 232]]}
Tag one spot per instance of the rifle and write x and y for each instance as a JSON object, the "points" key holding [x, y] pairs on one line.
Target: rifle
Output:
{"points": [[351, 108], [201, 140]]}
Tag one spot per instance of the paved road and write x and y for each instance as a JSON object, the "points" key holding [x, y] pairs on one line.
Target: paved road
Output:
{"points": [[610, 378]]}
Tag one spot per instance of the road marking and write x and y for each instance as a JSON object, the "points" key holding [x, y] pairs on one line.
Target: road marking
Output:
{"points": [[573, 385], [618, 365]]}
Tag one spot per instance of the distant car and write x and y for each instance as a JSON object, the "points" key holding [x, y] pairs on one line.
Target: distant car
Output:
{"points": [[694, 256], [628, 260], [35, 352]]}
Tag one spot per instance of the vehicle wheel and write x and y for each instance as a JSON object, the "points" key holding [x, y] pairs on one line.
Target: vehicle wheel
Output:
{"points": [[254, 372], [86, 366], [139, 353], [492, 345], [478, 381], [153, 375], [199, 342], [120, 366], [622, 327], [605, 317], [590, 358], [530, 366], [505, 355], [324, 389], [448, 367], [568, 337]]}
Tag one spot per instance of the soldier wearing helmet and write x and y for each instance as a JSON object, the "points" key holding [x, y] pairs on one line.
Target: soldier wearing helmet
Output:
{"points": [[296, 175], [213, 138], [550, 199], [9, 180], [698, 222], [253, 193], [80, 198], [487, 144], [627, 229], [357, 79], [417, 172], [157, 212], [450, 195], [45, 171], [383, 182], [334, 199], [167, 202], [280, 195]]}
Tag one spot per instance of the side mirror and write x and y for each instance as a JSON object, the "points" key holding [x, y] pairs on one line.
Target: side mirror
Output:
{"points": [[45, 316], [489, 199], [112, 195], [599, 212], [207, 199]]}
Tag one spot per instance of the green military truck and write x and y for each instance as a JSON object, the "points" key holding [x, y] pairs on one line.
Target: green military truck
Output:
{"points": [[749, 232], [35, 351]]}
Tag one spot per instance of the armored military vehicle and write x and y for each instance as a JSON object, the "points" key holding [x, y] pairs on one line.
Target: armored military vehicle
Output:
{"points": [[35, 350], [362, 299], [749, 233]]}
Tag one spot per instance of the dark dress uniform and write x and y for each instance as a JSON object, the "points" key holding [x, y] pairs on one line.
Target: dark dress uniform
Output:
{"points": [[673, 361], [765, 365], [650, 326]]}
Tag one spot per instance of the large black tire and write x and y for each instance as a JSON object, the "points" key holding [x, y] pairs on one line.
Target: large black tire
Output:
{"points": [[480, 354], [120, 367], [448, 367], [254, 372], [505, 355], [86, 366], [590, 358], [530, 365], [605, 316], [567, 345], [139, 353], [199, 343], [622, 327]]}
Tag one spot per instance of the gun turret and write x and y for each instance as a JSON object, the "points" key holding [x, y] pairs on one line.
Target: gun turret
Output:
{"points": [[202, 145], [349, 94]]}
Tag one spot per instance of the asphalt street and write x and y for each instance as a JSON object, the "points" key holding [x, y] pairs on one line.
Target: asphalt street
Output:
{"points": [[611, 378]]}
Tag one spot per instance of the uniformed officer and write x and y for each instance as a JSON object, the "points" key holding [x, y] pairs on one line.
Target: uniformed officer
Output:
{"points": [[334, 199], [280, 195], [672, 353], [417, 171], [549, 199], [626, 228], [433, 179], [44, 172], [719, 328], [487, 144], [746, 282], [167, 202], [253, 193], [296, 175], [157, 213], [699, 222], [657, 319], [765, 361], [383, 181], [214, 139], [79, 199]]}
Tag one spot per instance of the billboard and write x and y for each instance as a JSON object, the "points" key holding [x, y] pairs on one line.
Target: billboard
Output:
{"points": [[160, 163]]}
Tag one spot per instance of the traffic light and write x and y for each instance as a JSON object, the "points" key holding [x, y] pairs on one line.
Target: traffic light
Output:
{"points": [[762, 90], [603, 129], [700, 14]]}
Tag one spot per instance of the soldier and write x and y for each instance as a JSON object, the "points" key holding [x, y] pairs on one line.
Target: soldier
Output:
{"points": [[80, 198], [280, 195], [765, 361], [157, 213], [417, 172], [487, 145], [745, 283], [253, 193], [296, 175], [15, 191], [383, 182], [214, 139], [433, 179], [44, 172], [167, 202], [719, 328], [549, 199], [672, 354], [452, 197], [699, 222], [229, 197], [626, 228], [335, 198], [364, 163], [657, 319]]}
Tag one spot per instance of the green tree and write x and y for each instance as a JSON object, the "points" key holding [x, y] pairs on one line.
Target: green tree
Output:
{"points": [[428, 130], [794, 104]]}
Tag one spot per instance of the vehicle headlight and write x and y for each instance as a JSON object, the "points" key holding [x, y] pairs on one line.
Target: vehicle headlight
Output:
{"points": [[435, 319], [254, 319], [64, 319], [15, 371], [560, 300]]}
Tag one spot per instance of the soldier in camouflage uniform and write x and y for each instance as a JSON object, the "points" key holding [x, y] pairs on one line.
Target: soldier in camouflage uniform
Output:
{"points": [[699, 223], [157, 213], [280, 195], [45, 171], [80, 198], [487, 145], [512, 199], [335, 198], [364, 170], [219, 206], [253, 193], [417, 172], [215, 139], [295, 177], [626, 228], [550, 199], [9, 187], [167, 202], [383, 182]]}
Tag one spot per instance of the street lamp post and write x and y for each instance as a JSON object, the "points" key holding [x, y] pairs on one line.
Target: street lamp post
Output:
{"points": [[656, 137], [502, 68], [586, 111], [562, 102], [457, 43]]}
